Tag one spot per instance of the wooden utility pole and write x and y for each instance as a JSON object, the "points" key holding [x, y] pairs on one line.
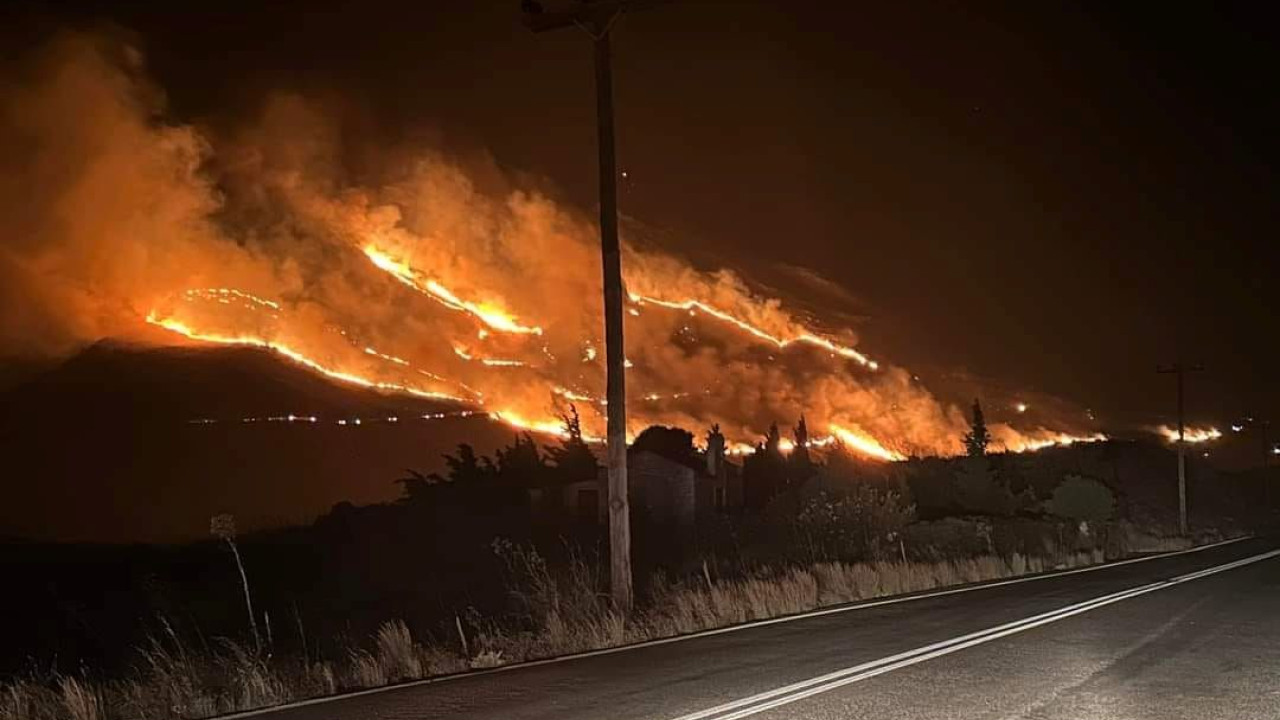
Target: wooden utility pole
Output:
{"points": [[597, 19], [1181, 370]]}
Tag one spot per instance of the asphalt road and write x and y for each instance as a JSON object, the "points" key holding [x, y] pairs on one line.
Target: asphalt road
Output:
{"points": [[1150, 639]]}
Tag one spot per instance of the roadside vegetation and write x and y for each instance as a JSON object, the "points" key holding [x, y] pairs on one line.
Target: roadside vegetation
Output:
{"points": [[812, 533]]}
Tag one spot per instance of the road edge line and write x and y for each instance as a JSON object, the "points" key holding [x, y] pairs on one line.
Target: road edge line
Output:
{"points": [[761, 702], [832, 610]]}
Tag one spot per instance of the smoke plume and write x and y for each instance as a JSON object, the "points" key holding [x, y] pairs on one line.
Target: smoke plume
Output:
{"points": [[427, 275]]}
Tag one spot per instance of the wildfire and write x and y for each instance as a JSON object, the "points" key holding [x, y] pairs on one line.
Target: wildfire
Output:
{"points": [[1190, 434], [224, 296], [546, 427], [808, 338], [1030, 444], [384, 356], [494, 317], [863, 443], [181, 328], [573, 395]]}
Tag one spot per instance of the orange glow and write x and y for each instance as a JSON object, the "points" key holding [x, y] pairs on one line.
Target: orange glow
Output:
{"points": [[808, 338], [181, 328], [1190, 434], [494, 317], [224, 294], [1032, 444], [863, 443], [546, 427], [388, 358]]}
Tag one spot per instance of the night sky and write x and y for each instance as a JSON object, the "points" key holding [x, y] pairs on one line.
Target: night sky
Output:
{"points": [[1057, 198]]}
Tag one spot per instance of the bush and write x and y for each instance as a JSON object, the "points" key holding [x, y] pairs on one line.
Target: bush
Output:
{"points": [[1081, 498], [841, 519], [947, 538], [978, 491]]}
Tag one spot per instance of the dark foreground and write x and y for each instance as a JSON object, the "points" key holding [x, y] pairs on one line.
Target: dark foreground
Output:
{"points": [[1199, 647]]}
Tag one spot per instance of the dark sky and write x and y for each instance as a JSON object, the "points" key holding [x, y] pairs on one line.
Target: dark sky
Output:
{"points": [[1058, 197]]}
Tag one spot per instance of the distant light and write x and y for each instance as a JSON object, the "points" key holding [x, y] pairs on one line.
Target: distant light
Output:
{"points": [[1206, 454], [1020, 407], [1237, 428]]}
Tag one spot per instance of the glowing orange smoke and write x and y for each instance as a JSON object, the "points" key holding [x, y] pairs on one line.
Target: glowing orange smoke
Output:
{"points": [[806, 338], [494, 317], [863, 443], [185, 330]]}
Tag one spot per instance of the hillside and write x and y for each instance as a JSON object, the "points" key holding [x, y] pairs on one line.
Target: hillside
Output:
{"points": [[124, 431]]}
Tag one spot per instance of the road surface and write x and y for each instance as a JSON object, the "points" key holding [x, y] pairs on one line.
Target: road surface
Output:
{"points": [[1194, 636]]}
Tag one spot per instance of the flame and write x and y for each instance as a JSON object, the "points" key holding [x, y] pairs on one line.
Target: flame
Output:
{"points": [[1190, 434], [863, 443], [222, 294], [809, 338], [1032, 444], [573, 395], [182, 328], [494, 317], [384, 356], [546, 427], [503, 260]]}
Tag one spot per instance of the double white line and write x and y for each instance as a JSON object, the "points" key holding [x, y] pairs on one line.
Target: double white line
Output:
{"points": [[824, 683]]}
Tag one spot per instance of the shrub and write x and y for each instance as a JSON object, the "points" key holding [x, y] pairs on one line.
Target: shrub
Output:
{"points": [[978, 491], [850, 520], [946, 538], [1082, 498]]}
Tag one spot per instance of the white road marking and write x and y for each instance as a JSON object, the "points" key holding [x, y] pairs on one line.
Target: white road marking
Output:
{"points": [[848, 607], [770, 699]]}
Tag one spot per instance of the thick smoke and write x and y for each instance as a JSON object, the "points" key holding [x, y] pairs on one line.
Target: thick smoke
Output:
{"points": [[103, 208], [112, 214]]}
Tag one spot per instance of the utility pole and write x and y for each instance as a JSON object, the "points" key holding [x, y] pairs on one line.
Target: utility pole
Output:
{"points": [[597, 19], [1181, 370], [1263, 427]]}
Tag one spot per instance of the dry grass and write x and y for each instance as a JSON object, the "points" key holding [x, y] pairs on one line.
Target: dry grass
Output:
{"points": [[80, 700], [556, 613]]}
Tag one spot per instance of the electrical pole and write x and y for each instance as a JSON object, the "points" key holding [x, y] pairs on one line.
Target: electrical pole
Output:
{"points": [[1181, 370], [1263, 427], [597, 19]]}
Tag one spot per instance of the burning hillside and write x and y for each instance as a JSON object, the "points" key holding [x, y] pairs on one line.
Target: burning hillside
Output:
{"points": [[429, 278]]}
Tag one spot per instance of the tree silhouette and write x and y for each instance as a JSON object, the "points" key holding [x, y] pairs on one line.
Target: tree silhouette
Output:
{"points": [[801, 463], [467, 467], [521, 462], [716, 447], [416, 485], [671, 443], [764, 472], [572, 460], [978, 438]]}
